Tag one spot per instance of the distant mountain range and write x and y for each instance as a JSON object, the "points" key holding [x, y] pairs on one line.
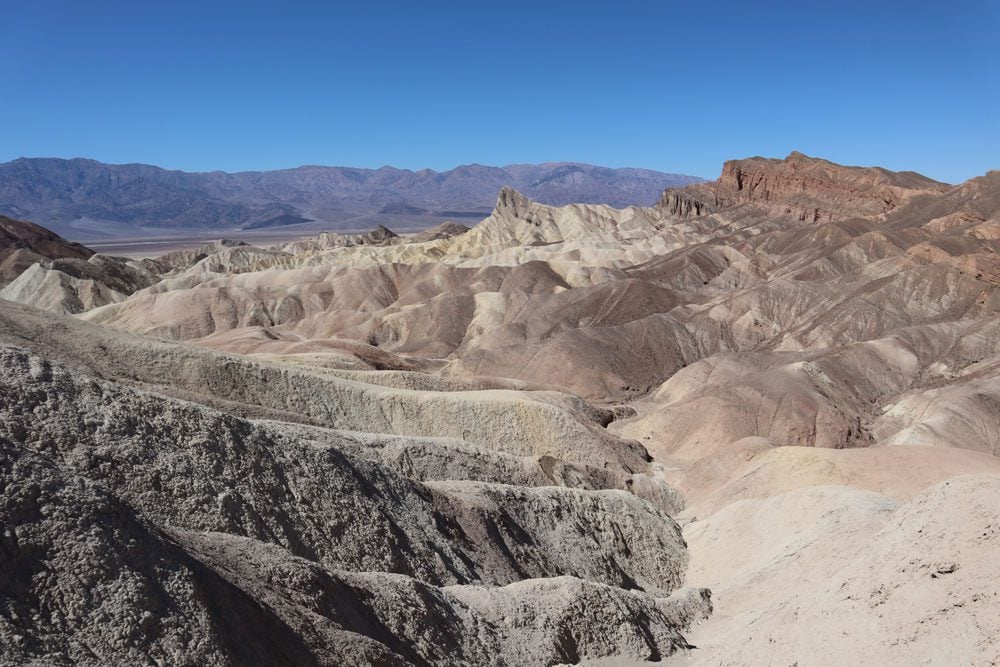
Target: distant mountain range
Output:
{"points": [[86, 198]]}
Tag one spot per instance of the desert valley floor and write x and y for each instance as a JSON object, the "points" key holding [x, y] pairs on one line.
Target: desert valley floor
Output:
{"points": [[756, 423]]}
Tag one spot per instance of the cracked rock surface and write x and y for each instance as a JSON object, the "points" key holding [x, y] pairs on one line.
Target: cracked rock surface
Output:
{"points": [[144, 528]]}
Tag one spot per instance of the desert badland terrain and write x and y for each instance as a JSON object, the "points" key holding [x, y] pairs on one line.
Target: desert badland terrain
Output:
{"points": [[757, 422]]}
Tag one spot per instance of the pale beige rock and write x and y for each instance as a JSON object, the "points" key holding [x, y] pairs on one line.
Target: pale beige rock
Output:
{"points": [[836, 576]]}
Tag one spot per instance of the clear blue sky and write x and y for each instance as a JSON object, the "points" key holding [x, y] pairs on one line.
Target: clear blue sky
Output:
{"points": [[676, 86]]}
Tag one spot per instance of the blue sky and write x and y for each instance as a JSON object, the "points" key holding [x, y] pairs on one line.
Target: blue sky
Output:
{"points": [[676, 86]]}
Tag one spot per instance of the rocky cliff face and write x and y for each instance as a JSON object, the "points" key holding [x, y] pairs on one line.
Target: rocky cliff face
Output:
{"points": [[684, 204], [805, 188]]}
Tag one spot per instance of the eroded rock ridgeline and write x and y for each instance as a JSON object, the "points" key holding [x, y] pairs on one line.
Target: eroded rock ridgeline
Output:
{"points": [[807, 188], [205, 537]]}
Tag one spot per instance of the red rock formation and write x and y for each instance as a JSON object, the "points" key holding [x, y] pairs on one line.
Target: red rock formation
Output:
{"points": [[809, 189]]}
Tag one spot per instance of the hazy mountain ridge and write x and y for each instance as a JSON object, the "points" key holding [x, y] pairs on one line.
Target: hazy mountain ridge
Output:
{"points": [[56, 191]]}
